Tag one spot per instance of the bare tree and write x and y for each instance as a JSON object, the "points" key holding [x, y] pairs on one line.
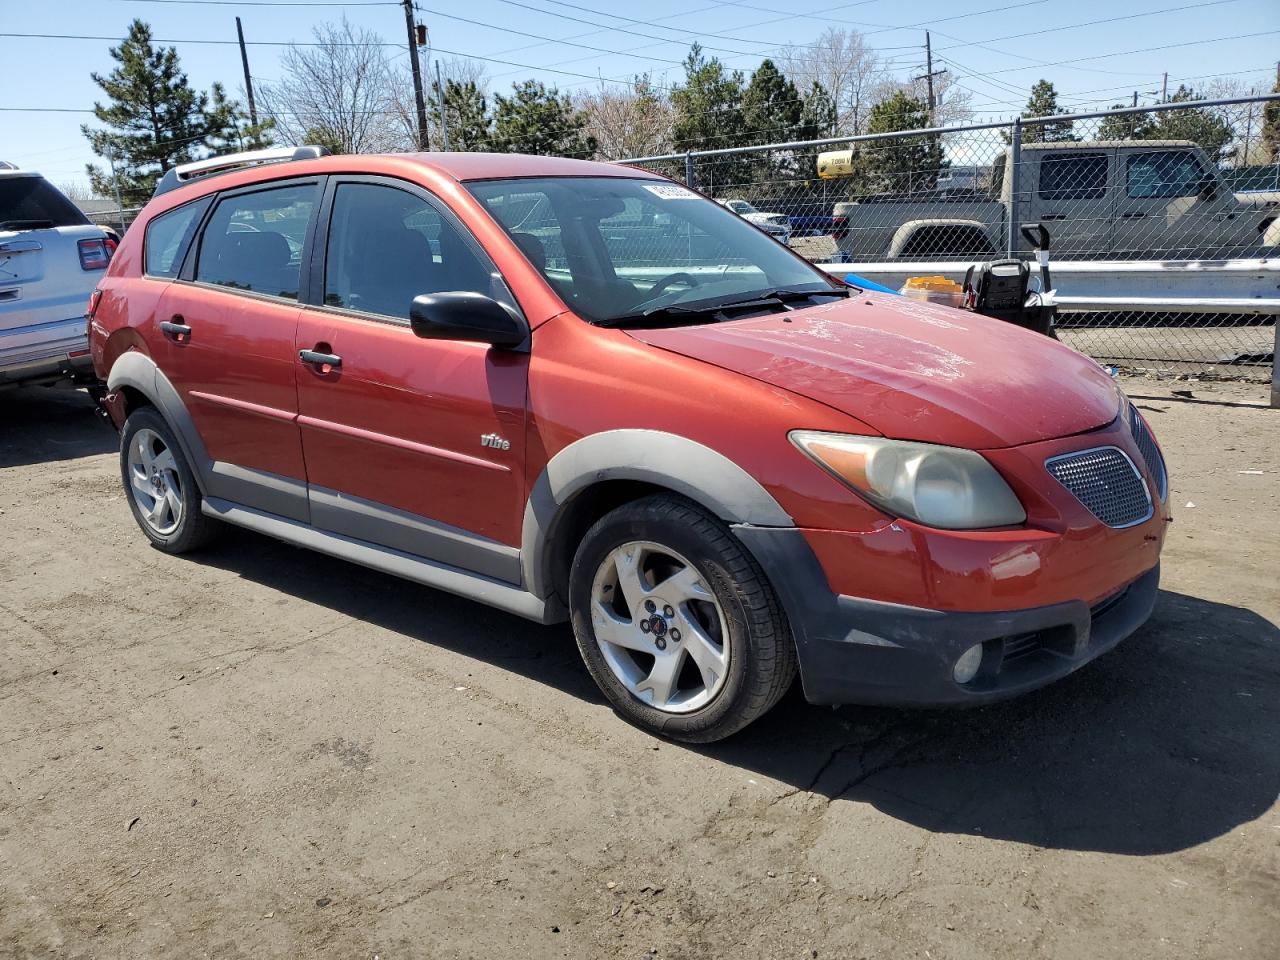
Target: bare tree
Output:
{"points": [[953, 101], [77, 191], [849, 70], [342, 91], [627, 121]]}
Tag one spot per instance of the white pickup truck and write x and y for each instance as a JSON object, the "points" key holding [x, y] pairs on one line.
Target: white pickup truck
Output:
{"points": [[1147, 200], [51, 258]]}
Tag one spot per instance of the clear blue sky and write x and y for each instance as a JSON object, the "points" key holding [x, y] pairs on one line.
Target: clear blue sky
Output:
{"points": [[977, 40]]}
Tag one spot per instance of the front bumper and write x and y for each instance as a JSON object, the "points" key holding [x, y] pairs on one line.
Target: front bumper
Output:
{"points": [[870, 652]]}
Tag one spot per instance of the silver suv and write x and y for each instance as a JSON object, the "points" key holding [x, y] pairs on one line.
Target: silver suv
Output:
{"points": [[51, 258]]}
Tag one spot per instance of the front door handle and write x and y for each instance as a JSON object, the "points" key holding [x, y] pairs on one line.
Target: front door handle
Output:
{"points": [[175, 329], [1132, 216], [1054, 216], [326, 362]]}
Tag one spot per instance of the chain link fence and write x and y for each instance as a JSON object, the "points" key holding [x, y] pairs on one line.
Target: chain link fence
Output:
{"points": [[1176, 183]]}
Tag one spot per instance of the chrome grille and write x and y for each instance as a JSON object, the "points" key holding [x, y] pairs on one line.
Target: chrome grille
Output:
{"points": [[1150, 452], [1105, 480]]}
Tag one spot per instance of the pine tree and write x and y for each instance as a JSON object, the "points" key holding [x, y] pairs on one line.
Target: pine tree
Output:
{"points": [[1044, 103], [466, 114], [539, 120], [154, 119], [708, 105], [323, 137], [903, 164], [235, 131], [1210, 131], [1126, 126]]}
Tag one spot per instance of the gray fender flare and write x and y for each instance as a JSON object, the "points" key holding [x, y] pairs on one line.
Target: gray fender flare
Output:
{"points": [[652, 456], [139, 371], [903, 235]]}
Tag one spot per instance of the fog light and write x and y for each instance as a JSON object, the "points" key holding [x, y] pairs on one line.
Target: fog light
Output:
{"points": [[966, 667]]}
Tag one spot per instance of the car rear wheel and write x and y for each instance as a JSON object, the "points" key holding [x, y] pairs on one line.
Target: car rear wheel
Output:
{"points": [[677, 622], [160, 486]]}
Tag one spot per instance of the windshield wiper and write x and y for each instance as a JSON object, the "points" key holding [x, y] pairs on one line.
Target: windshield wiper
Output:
{"points": [[25, 224], [762, 300]]}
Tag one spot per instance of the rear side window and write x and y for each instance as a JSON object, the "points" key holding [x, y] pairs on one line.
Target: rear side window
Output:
{"points": [[168, 237], [1076, 176], [33, 203], [254, 241], [1163, 173]]}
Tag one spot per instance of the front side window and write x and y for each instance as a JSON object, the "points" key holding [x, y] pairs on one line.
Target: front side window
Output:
{"points": [[1163, 173], [387, 246], [254, 241], [168, 236], [616, 248], [1074, 176]]}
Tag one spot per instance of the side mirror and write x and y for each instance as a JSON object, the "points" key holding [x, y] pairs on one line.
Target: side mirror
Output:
{"points": [[463, 315], [1208, 187]]}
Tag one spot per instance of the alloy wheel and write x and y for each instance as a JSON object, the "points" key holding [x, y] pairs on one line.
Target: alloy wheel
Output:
{"points": [[659, 627], [154, 482]]}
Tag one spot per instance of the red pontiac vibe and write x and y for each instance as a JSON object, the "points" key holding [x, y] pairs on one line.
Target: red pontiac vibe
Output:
{"points": [[580, 391]]}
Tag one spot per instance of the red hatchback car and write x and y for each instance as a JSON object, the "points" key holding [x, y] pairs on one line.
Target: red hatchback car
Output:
{"points": [[579, 391]]}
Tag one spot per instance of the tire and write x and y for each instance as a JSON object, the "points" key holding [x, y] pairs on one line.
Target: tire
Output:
{"points": [[706, 649], [159, 485]]}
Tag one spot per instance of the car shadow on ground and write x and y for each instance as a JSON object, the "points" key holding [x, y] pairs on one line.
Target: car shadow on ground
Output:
{"points": [[47, 424], [1169, 741]]}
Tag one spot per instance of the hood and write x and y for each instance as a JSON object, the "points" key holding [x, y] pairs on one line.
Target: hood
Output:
{"points": [[912, 370]]}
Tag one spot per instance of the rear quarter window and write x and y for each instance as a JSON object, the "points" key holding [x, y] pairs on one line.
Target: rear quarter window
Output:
{"points": [[33, 202], [169, 235]]}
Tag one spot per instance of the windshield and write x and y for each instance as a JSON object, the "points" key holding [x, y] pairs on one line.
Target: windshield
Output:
{"points": [[741, 206], [615, 248], [31, 202]]}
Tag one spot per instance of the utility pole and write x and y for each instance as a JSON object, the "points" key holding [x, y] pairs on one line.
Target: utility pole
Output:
{"points": [[1248, 132], [1135, 98], [423, 143], [248, 80], [115, 184], [929, 74], [444, 121], [1164, 88]]}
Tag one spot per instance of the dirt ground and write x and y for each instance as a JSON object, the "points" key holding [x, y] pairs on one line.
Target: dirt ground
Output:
{"points": [[262, 752]]}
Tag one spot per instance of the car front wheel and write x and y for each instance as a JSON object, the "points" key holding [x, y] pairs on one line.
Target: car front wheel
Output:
{"points": [[677, 622]]}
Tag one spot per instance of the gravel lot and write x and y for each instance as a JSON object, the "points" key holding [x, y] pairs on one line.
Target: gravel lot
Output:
{"points": [[261, 752]]}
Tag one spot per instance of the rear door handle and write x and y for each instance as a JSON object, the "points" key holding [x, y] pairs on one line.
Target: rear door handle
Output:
{"points": [[325, 361], [175, 329], [1054, 216]]}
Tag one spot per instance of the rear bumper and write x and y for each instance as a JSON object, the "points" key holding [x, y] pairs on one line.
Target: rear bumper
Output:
{"points": [[45, 351], [853, 650]]}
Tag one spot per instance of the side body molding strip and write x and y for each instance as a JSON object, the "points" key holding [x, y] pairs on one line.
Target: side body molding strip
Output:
{"points": [[652, 456]]}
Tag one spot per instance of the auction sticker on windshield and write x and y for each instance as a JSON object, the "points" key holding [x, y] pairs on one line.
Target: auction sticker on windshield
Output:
{"points": [[671, 191]]}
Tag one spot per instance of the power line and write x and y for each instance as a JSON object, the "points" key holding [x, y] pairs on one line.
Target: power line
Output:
{"points": [[534, 36]]}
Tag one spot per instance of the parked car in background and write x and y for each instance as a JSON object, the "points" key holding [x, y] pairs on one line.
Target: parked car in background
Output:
{"points": [[1148, 200], [713, 459], [51, 257], [776, 225]]}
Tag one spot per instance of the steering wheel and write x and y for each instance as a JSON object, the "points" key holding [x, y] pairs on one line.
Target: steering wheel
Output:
{"points": [[659, 288]]}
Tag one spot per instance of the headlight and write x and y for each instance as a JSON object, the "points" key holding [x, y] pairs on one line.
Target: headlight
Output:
{"points": [[945, 487]]}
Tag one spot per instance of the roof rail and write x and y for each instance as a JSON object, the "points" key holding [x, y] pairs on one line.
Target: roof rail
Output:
{"points": [[186, 172]]}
